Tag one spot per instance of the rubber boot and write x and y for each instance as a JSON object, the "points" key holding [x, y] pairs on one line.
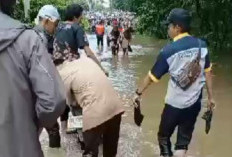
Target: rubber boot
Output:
{"points": [[54, 136], [165, 148], [54, 141]]}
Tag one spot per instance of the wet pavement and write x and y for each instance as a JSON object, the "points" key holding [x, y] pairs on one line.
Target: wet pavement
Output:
{"points": [[126, 72]]}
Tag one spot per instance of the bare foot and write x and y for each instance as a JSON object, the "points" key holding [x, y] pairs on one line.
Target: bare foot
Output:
{"points": [[180, 153]]}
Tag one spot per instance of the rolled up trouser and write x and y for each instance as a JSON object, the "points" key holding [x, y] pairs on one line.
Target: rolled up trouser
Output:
{"points": [[54, 136], [184, 119]]}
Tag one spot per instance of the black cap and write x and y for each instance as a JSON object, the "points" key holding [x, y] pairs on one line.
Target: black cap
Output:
{"points": [[179, 16]]}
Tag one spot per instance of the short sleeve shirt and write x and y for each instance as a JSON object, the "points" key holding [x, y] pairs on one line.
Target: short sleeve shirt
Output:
{"points": [[109, 30], [172, 60], [69, 38]]}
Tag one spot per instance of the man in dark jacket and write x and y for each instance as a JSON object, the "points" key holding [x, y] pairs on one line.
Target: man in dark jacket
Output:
{"points": [[46, 22], [33, 91]]}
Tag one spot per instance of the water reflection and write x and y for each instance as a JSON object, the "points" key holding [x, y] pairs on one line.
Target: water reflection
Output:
{"points": [[125, 73]]}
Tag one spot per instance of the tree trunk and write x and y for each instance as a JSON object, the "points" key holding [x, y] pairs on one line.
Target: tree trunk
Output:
{"points": [[26, 7]]}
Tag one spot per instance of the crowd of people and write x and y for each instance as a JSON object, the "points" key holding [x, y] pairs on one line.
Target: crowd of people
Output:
{"points": [[118, 30], [43, 75]]}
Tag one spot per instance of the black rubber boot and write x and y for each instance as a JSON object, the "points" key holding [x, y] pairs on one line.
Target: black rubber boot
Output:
{"points": [[54, 141], [54, 136], [166, 149]]}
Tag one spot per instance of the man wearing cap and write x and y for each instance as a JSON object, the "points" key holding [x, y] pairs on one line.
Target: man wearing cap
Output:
{"points": [[186, 60], [46, 23], [32, 92]]}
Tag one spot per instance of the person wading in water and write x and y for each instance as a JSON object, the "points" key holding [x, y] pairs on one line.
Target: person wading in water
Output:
{"points": [[187, 62], [115, 35], [32, 92]]}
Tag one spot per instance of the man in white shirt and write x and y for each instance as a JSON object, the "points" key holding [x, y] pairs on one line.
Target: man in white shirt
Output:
{"points": [[109, 29]]}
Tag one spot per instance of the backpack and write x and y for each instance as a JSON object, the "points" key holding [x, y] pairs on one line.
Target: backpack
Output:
{"points": [[190, 72]]}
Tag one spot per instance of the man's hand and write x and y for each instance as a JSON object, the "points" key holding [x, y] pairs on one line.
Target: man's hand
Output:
{"points": [[137, 98], [146, 83], [211, 104]]}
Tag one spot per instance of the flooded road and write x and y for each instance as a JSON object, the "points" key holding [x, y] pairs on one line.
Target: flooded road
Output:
{"points": [[126, 72]]}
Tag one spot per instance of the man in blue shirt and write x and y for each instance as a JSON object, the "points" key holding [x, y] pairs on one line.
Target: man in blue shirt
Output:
{"points": [[187, 62]]}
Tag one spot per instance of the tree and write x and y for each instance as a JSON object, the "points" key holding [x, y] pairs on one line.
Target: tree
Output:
{"points": [[212, 18], [35, 5]]}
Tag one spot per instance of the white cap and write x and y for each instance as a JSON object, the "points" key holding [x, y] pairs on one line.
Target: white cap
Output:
{"points": [[49, 12]]}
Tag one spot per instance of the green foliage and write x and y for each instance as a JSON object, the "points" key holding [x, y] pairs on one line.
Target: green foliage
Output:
{"points": [[35, 5], [214, 21], [97, 5], [85, 24], [212, 18], [83, 3], [127, 5], [19, 12]]}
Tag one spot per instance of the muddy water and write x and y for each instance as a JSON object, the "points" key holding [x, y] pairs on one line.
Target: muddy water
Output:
{"points": [[126, 73]]}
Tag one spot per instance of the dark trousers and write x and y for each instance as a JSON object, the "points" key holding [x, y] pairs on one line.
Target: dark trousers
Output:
{"points": [[184, 119], [110, 133], [64, 116], [54, 132], [54, 136], [115, 48], [108, 41], [100, 40]]}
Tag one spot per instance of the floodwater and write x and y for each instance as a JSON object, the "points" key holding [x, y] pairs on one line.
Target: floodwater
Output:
{"points": [[126, 72]]}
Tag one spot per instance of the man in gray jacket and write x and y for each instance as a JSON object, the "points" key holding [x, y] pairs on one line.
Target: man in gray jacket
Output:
{"points": [[31, 93], [46, 23]]}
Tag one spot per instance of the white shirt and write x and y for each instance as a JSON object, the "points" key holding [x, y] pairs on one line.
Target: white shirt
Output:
{"points": [[109, 30]]}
